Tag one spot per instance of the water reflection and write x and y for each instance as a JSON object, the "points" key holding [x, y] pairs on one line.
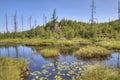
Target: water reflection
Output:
{"points": [[98, 59], [32, 54], [118, 61], [67, 51]]}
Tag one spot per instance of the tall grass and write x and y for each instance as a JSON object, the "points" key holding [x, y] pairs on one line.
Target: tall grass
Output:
{"points": [[81, 41], [12, 69], [98, 72], [49, 52], [109, 44], [44, 42], [91, 52]]}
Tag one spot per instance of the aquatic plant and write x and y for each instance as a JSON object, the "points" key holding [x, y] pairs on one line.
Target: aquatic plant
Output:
{"points": [[91, 52], [63, 71], [12, 69]]}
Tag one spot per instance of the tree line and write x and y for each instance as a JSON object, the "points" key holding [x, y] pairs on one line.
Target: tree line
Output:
{"points": [[64, 29]]}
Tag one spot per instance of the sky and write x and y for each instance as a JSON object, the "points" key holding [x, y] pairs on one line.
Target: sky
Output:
{"points": [[79, 10]]}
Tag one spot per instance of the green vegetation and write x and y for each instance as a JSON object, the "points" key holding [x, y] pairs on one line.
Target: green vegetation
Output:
{"points": [[64, 32], [98, 72], [68, 29], [92, 52], [109, 44], [75, 71], [43, 42], [58, 71], [12, 69], [49, 52]]}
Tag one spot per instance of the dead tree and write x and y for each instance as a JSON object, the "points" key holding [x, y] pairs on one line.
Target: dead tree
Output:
{"points": [[43, 20], [6, 23], [30, 20], [119, 10], [15, 22], [35, 22], [92, 20], [22, 20]]}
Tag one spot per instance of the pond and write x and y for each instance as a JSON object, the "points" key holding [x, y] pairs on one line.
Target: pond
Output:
{"points": [[42, 68]]}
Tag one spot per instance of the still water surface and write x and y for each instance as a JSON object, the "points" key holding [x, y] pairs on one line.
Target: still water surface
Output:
{"points": [[37, 61]]}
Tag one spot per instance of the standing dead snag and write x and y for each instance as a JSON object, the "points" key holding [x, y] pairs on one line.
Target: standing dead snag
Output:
{"points": [[15, 22], [6, 23], [30, 19], [22, 20]]}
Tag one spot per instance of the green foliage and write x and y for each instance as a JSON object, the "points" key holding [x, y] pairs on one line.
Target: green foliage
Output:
{"points": [[12, 69], [68, 32], [68, 29]]}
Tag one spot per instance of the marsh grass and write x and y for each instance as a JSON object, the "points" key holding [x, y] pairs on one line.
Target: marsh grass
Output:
{"points": [[92, 52], [115, 45], [43, 42], [49, 52], [98, 72], [81, 41], [11, 41], [12, 69]]}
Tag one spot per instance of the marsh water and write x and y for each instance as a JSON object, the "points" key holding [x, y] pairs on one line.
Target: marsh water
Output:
{"points": [[37, 63]]}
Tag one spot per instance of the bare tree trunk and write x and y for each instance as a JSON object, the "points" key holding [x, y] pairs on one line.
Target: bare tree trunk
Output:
{"points": [[92, 12], [119, 10], [6, 23], [35, 22], [30, 19], [22, 20], [43, 20], [15, 22]]}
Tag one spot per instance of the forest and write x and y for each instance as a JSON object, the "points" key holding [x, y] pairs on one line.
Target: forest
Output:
{"points": [[65, 29]]}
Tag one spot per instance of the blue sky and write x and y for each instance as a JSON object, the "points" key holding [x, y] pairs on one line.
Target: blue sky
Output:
{"points": [[79, 10]]}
